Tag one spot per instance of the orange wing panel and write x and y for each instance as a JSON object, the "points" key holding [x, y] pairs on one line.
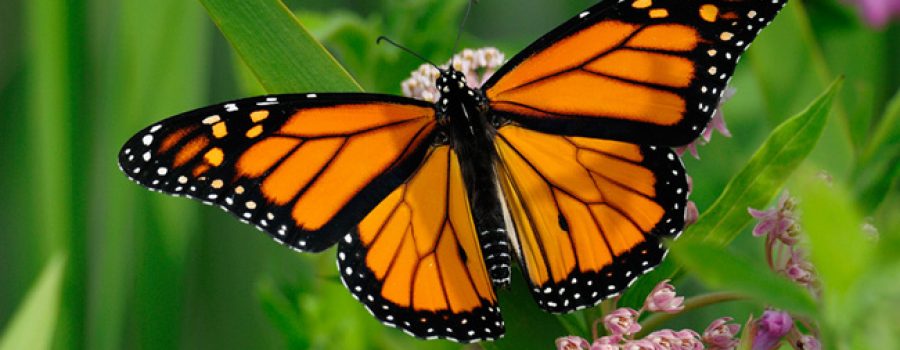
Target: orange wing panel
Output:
{"points": [[582, 207], [421, 258], [610, 80], [304, 168]]}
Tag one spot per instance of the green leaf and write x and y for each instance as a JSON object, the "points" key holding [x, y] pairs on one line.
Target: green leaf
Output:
{"points": [[754, 186], [879, 165], [719, 269], [887, 133], [839, 250], [276, 47], [33, 325], [527, 326], [761, 179]]}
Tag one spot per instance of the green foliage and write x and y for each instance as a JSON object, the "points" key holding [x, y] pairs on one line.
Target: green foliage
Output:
{"points": [[276, 47], [33, 324], [737, 274], [857, 293]]}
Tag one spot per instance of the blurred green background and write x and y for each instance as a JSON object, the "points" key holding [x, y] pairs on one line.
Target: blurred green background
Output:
{"points": [[143, 270]]}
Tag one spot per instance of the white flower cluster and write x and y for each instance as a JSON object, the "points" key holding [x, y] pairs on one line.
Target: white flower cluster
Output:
{"points": [[477, 65]]}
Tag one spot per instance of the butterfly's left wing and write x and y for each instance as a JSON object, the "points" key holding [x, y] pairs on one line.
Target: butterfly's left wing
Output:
{"points": [[304, 168], [642, 71], [589, 214], [416, 263]]}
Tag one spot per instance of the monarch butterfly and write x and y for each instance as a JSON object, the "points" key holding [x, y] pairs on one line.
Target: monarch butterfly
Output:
{"points": [[561, 159]]}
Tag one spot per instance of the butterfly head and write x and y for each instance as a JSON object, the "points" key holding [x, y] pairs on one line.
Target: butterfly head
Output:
{"points": [[450, 81]]}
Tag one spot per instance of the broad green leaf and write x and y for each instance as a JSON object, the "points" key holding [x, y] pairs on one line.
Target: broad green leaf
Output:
{"points": [[754, 186], [871, 320], [878, 167], [839, 249], [34, 322], [527, 326], [717, 268], [280, 52]]}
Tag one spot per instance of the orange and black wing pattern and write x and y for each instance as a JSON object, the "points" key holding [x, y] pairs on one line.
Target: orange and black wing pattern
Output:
{"points": [[589, 214], [416, 262], [303, 168], [642, 71]]}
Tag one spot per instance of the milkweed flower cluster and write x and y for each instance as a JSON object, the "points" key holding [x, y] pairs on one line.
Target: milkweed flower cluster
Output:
{"points": [[716, 123], [779, 225], [477, 65], [622, 324]]}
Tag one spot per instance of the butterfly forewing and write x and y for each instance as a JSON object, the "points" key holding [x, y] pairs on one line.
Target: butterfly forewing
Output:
{"points": [[644, 71], [304, 168]]}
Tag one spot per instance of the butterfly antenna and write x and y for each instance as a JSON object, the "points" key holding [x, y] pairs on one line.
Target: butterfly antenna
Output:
{"points": [[463, 24], [411, 52]]}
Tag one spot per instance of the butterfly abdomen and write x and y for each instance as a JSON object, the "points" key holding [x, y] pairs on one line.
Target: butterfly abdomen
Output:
{"points": [[470, 134]]}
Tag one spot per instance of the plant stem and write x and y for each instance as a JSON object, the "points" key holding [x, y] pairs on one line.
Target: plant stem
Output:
{"points": [[654, 321]]}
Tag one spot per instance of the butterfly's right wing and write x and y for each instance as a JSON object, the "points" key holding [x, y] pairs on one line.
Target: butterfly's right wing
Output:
{"points": [[589, 214], [416, 263], [642, 71], [304, 168]]}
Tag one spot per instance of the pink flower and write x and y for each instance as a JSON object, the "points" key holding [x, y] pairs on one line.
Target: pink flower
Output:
{"points": [[691, 213], [778, 222], [877, 13], [691, 148], [609, 342], [477, 66], [690, 210], [622, 321], [572, 343], [719, 335], [667, 339], [642, 344], [770, 328], [808, 342], [663, 299], [799, 269]]}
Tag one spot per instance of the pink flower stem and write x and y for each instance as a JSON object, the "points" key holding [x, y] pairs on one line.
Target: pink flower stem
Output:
{"points": [[656, 320]]}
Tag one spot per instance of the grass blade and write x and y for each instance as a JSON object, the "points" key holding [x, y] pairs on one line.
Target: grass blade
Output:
{"points": [[276, 47], [33, 325]]}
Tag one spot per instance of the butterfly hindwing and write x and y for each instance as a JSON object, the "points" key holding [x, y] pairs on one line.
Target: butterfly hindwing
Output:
{"points": [[588, 213], [304, 168], [416, 263], [642, 71]]}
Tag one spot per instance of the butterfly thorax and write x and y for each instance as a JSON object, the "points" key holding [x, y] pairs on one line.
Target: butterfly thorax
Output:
{"points": [[466, 126]]}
